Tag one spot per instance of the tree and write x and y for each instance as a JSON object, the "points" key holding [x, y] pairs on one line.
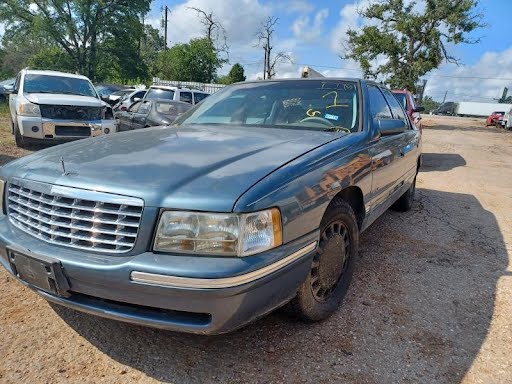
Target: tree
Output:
{"points": [[410, 42], [235, 75], [429, 104], [196, 61], [214, 31], [78, 27], [265, 36]]}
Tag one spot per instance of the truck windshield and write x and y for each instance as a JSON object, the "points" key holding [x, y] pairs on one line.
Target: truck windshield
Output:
{"points": [[58, 85], [330, 105]]}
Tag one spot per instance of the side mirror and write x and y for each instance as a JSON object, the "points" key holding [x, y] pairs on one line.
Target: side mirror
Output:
{"points": [[9, 89], [419, 109], [389, 127]]}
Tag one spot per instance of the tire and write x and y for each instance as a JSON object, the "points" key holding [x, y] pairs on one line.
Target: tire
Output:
{"points": [[18, 138], [404, 203], [321, 294]]}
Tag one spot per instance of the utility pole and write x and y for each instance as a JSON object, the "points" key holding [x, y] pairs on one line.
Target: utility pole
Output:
{"points": [[165, 22], [444, 98]]}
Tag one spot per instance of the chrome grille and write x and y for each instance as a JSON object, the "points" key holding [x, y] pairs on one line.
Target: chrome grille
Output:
{"points": [[74, 217]]}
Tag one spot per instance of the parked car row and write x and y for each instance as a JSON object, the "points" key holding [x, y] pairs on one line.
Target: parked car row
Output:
{"points": [[55, 106]]}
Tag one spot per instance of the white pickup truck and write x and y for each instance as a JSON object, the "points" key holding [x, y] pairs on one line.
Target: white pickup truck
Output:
{"points": [[56, 106]]}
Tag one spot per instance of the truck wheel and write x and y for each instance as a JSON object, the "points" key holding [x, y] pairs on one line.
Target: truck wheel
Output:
{"points": [[404, 203], [18, 138], [323, 291]]}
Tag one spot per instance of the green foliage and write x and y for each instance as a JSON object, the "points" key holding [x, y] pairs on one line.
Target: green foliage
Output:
{"points": [[83, 29], [196, 61], [235, 75], [429, 104], [410, 42], [51, 58]]}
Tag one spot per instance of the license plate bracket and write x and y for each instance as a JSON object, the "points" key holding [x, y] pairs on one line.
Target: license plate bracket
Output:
{"points": [[41, 272]]}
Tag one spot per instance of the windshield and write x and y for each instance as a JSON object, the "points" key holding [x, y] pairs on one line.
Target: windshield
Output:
{"points": [[294, 104], [158, 93], [402, 99], [58, 85]]}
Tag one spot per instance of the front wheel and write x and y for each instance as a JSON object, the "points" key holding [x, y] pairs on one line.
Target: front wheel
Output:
{"points": [[18, 138], [323, 291]]}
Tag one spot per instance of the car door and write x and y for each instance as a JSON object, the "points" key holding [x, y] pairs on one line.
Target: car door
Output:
{"points": [[385, 152], [139, 117], [409, 146], [125, 117]]}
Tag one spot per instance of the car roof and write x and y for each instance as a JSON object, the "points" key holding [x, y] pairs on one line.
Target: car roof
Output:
{"points": [[54, 73]]}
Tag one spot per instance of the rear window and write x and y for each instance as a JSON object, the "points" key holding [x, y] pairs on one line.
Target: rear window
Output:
{"points": [[158, 93], [171, 108], [200, 97]]}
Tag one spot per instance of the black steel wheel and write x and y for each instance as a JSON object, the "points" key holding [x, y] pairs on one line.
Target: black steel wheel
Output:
{"points": [[331, 260], [323, 290]]}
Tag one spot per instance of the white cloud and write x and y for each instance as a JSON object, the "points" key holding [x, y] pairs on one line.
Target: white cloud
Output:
{"points": [[308, 31], [483, 81], [240, 18]]}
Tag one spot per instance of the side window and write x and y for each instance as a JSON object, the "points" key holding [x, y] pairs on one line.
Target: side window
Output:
{"points": [[145, 108], [186, 97], [379, 109], [413, 102], [135, 107], [198, 97], [138, 95], [396, 108]]}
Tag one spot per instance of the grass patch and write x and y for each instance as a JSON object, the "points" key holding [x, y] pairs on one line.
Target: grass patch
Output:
{"points": [[4, 110]]}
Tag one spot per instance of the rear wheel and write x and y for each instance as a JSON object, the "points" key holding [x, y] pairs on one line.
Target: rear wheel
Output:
{"points": [[323, 291]]}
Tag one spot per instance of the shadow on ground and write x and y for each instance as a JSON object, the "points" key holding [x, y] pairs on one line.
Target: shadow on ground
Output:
{"points": [[441, 162], [418, 310]]}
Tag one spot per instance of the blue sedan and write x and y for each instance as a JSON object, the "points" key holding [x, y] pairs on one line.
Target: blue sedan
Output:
{"points": [[252, 200]]}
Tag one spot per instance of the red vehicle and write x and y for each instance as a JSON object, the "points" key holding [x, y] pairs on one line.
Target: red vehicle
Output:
{"points": [[407, 100], [494, 118]]}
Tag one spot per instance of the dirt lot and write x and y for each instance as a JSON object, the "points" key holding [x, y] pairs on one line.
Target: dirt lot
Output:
{"points": [[431, 299]]}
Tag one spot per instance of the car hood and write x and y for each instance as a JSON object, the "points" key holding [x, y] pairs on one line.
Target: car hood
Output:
{"points": [[200, 167], [54, 99]]}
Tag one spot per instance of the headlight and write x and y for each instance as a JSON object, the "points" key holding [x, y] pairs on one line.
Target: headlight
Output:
{"points": [[225, 234], [26, 108]]}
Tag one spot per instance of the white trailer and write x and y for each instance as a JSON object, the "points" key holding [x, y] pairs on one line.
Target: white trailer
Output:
{"points": [[308, 72], [467, 108]]}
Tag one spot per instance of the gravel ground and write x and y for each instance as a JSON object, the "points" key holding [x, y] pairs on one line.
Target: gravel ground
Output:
{"points": [[430, 302]]}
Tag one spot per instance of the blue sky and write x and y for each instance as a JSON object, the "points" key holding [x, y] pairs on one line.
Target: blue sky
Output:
{"points": [[310, 32]]}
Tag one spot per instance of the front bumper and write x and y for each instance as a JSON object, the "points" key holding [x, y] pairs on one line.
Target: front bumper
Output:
{"points": [[201, 295], [48, 129]]}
